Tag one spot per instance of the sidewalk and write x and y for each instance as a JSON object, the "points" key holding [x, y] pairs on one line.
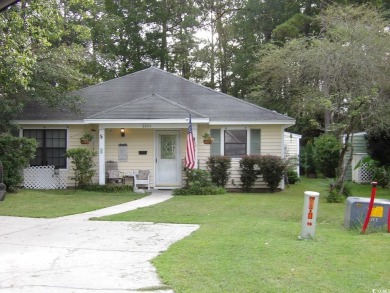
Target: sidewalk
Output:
{"points": [[72, 254], [156, 197]]}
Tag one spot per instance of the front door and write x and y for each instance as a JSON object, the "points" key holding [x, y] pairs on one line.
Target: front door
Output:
{"points": [[168, 159]]}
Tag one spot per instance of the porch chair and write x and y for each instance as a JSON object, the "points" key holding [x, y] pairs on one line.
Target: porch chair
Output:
{"points": [[113, 174], [141, 177]]}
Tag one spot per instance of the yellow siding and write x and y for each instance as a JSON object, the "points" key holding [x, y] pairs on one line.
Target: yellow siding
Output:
{"points": [[136, 140], [271, 140], [74, 134], [203, 149], [271, 144], [144, 140]]}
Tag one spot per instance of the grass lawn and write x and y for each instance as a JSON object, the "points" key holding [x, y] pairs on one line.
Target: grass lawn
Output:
{"points": [[248, 243], [56, 203]]}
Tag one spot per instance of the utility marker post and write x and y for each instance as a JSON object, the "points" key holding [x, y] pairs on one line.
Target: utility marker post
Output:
{"points": [[309, 215]]}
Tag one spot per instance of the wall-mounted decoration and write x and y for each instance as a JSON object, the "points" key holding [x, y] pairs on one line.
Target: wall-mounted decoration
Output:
{"points": [[122, 152]]}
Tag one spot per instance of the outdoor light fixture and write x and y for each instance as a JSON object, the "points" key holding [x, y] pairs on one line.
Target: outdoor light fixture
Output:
{"points": [[122, 132]]}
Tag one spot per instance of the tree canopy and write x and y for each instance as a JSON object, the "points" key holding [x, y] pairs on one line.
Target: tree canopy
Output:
{"points": [[64, 45], [341, 75], [38, 61]]}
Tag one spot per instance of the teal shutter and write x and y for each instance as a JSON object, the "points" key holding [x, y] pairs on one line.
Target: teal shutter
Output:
{"points": [[215, 149], [255, 139]]}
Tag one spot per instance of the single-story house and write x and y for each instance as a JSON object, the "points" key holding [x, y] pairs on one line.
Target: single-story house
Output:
{"points": [[140, 121]]}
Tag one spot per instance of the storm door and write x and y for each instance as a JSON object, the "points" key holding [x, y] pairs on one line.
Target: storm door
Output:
{"points": [[168, 159]]}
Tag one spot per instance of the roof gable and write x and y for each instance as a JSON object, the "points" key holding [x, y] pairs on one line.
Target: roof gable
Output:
{"points": [[151, 107]]}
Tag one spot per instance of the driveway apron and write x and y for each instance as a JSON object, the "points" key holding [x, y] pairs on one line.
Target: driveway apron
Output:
{"points": [[73, 254]]}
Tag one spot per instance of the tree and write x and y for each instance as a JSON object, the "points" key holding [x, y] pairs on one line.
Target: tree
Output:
{"points": [[341, 75], [326, 152], [15, 154], [218, 49], [378, 146], [39, 62]]}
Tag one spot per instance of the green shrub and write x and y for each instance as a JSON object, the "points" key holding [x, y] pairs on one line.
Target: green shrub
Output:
{"points": [[272, 169], [309, 161], [219, 169], [198, 177], [334, 197], [108, 188], [83, 165], [378, 145], [292, 176], [380, 173], [326, 154], [199, 190], [15, 154], [249, 171], [198, 183]]}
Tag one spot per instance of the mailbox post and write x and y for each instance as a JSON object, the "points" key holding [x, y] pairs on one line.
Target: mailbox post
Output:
{"points": [[309, 215]]}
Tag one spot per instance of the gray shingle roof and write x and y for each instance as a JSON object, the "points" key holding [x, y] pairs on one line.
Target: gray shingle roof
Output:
{"points": [[156, 94]]}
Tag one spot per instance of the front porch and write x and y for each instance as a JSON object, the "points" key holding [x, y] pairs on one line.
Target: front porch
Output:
{"points": [[157, 148]]}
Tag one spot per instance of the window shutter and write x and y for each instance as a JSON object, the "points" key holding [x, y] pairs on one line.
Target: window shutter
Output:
{"points": [[255, 142], [215, 149]]}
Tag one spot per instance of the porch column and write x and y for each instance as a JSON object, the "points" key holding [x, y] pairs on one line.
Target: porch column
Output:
{"points": [[195, 134], [102, 166]]}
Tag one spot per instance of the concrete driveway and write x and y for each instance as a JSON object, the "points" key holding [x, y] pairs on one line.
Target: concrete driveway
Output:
{"points": [[73, 254]]}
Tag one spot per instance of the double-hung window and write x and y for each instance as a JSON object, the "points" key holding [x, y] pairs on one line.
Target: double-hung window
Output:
{"points": [[236, 143], [51, 148]]}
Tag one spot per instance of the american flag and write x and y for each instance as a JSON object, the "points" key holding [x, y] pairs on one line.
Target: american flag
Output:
{"points": [[190, 148]]}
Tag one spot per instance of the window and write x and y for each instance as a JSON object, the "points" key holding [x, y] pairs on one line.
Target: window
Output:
{"points": [[235, 143], [51, 147]]}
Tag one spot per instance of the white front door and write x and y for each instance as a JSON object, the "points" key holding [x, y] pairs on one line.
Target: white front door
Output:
{"points": [[168, 159]]}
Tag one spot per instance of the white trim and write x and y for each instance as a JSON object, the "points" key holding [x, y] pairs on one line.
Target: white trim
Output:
{"points": [[298, 154], [145, 121], [45, 122], [178, 152], [294, 135], [102, 156], [130, 122], [272, 122], [162, 126]]}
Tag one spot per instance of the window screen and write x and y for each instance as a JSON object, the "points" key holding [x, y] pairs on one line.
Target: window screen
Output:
{"points": [[235, 143], [51, 146]]}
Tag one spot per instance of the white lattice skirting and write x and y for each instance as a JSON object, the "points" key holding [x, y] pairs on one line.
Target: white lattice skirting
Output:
{"points": [[44, 177], [360, 175]]}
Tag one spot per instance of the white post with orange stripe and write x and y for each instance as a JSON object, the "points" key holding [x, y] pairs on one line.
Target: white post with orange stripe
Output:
{"points": [[309, 215]]}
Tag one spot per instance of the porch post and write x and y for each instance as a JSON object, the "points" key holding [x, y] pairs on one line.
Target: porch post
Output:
{"points": [[195, 134], [102, 166]]}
